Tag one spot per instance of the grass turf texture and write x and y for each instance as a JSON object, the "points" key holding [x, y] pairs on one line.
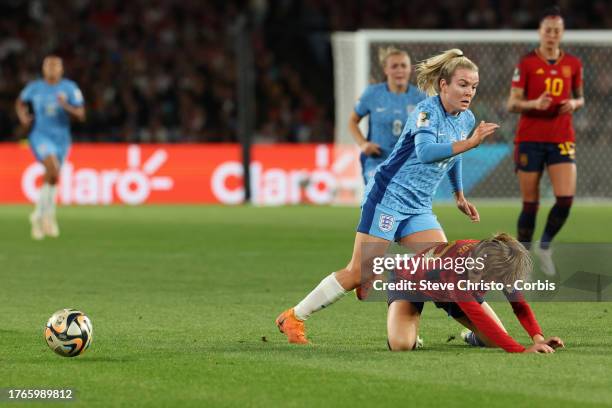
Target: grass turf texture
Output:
{"points": [[183, 301]]}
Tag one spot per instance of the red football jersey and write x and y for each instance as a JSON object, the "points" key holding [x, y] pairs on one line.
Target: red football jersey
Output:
{"points": [[535, 75], [468, 300]]}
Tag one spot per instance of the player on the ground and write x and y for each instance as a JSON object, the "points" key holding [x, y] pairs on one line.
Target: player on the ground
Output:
{"points": [[500, 259], [388, 105], [53, 100], [398, 200], [546, 90]]}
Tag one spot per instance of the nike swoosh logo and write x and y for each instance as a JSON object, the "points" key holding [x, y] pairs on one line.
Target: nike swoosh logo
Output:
{"points": [[381, 109]]}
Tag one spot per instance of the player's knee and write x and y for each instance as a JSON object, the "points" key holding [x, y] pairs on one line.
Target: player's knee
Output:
{"points": [[531, 195], [564, 201], [401, 344], [52, 177]]}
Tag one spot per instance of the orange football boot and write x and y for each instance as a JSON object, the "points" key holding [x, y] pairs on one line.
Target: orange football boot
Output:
{"points": [[292, 327]]}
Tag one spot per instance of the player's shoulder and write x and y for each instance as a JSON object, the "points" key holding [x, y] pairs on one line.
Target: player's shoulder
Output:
{"points": [[426, 107], [571, 58], [432, 106], [529, 57], [35, 83], [68, 83], [463, 242], [430, 103], [377, 89], [371, 91], [462, 247]]}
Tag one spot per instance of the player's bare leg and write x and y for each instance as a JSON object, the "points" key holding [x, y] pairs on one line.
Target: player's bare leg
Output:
{"points": [[43, 218], [403, 317], [414, 242], [563, 178], [403, 326], [49, 221], [366, 248], [331, 288], [423, 239]]}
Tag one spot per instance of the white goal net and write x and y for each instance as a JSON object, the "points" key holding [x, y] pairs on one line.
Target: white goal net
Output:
{"points": [[489, 170]]}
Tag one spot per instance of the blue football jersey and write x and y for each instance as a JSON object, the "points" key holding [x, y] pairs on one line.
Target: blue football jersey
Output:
{"points": [[403, 182], [387, 113], [49, 116]]}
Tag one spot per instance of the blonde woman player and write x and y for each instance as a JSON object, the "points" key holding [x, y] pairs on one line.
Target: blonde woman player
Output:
{"points": [[397, 205], [387, 106], [503, 260]]}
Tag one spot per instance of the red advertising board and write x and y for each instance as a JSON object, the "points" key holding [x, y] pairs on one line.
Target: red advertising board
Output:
{"points": [[100, 174]]}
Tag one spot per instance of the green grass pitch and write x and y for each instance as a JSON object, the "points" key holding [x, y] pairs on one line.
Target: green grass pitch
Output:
{"points": [[183, 301]]}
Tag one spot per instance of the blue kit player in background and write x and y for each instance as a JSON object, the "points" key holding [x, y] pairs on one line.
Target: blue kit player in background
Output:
{"points": [[398, 200], [53, 100], [387, 105]]}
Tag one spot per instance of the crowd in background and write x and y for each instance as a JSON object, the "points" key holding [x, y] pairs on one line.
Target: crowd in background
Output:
{"points": [[165, 70]]}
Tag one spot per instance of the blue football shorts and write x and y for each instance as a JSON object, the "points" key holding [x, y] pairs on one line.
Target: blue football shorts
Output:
{"points": [[43, 145], [382, 222]]}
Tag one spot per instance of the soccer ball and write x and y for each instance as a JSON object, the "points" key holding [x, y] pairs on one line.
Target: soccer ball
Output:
{"points": [[68, 332]]}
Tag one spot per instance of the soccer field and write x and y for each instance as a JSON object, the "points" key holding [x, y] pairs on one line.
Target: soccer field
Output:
{"points": [[183, 301]]}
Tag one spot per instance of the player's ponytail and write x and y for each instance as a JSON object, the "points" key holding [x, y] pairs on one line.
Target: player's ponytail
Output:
{"points": [[441, 66], [505, 259]]}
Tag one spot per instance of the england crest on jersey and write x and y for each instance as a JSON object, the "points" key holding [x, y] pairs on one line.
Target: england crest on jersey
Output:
{"points": [[385, 223]]}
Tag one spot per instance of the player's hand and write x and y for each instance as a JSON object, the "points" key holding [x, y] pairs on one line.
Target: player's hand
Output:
{"points": [[539, 348], [567, 106], [370, 149], [554, 342], [543, 102], [483, 131], [468, 209], [62, 100]]}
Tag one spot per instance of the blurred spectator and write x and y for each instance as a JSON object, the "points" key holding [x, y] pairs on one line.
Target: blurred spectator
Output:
{"points": [[165, 70]]}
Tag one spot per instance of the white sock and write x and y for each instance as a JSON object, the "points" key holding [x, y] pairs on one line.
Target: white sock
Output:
{"points": [[50, 206], [325, 294], [42, 200]]}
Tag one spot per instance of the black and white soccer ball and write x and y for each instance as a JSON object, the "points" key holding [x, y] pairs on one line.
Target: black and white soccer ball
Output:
{"points": [[69, 332]]}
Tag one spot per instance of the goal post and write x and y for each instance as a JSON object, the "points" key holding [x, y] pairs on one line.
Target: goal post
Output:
{"points": [[488, 170]]}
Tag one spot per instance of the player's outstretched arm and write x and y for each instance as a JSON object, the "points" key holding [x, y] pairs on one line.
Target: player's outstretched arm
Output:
{"points": [[482, 131], [527, 318], [490, 328], [429, 151]]}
